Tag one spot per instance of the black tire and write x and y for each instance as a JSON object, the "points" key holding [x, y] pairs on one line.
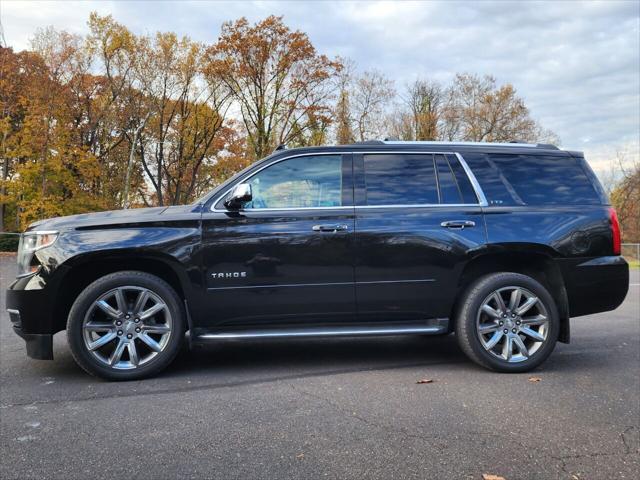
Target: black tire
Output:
{"points": [[130, 279], [468, 311]]}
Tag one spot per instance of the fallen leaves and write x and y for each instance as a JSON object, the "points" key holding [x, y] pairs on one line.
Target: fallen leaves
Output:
{"points": [[425, 380], [534, 379], [489, 476]]}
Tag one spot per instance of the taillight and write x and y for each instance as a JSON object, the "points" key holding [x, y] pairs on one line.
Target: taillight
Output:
{"points": [[615, 231]]}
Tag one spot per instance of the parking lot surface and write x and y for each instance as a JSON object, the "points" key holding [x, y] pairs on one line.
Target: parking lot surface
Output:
{"points": [[338, 408]]}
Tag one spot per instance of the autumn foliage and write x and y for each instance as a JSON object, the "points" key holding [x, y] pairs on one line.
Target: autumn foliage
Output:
{"points": [[113, 119]]}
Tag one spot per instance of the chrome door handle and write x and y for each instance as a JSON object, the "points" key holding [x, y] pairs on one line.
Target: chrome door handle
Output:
{"points": [[459, 224], [330, 228]]}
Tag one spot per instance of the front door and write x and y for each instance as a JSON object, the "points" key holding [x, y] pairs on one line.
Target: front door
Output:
{"points": [[418, 220], [286, 256]]}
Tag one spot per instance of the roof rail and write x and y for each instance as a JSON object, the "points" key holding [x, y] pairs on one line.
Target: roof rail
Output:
{"points": [[370, 142], [476, 144]]}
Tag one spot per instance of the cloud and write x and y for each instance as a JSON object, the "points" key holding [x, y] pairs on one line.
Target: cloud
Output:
{"points": [[577, 65]]}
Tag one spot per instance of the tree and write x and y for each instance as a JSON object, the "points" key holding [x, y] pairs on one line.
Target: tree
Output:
{"points": [[625, 197], [12, 113], [342, 112], [424, 99], [281, 84], [480, 111], [372, 92], [187, 113]]}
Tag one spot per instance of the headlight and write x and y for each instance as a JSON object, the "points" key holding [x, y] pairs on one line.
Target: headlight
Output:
{"points": [[31, 242]]}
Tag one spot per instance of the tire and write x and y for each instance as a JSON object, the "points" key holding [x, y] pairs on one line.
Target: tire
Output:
{"points": [[480, 321], [126, 325]]}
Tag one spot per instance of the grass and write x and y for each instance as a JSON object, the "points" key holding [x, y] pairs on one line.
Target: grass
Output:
{"points": [[633, 263]]}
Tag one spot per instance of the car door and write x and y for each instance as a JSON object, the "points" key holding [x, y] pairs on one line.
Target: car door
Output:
{"points": [[287, 255], [418, 219]]}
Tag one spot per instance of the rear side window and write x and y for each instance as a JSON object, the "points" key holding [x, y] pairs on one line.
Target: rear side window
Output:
{"points": [[449, 191], [454, 184], [546, 179], [400, 179], [467, 194], [416, 179]]}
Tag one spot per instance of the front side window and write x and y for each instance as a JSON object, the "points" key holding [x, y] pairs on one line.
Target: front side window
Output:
{"points": [[301, 182]]}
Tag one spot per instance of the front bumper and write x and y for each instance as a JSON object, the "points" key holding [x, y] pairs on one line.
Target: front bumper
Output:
{"points": [[39, 346], [31, 314]]}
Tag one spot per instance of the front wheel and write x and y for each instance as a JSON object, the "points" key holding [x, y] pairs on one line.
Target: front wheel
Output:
{"points": [[126, 326], [507, 322]]}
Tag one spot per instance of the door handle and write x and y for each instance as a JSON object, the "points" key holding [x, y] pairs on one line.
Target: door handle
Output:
{"points": [[330, 228], [459, 224]]}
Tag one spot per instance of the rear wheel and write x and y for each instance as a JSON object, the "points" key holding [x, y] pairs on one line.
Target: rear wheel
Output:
{"points": [[126, 326], [507, 322]]}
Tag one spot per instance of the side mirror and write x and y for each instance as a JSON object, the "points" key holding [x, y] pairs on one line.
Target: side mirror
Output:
{"points": [[240, 194]]}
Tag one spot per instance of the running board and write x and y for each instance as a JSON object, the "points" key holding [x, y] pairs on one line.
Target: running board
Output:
{"points": [[430, 327]]}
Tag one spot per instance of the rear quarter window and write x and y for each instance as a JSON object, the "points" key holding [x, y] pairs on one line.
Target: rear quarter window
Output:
{"points": [[508, 179], [546, 179]]}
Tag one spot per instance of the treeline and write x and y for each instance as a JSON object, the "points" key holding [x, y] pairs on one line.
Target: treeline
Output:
{"points": [[114, 119]]}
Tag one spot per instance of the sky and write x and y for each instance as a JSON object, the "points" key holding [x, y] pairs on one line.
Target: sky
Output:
{"points": [[576, 64]]}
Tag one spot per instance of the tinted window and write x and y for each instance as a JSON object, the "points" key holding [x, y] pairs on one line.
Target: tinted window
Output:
{"points": [[491, 180], [301, 182], [466, 189], [400, 180], [449, 192], [546, 180]]}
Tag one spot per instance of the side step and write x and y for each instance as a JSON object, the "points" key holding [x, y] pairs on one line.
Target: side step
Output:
{"points": [[429, 327]]}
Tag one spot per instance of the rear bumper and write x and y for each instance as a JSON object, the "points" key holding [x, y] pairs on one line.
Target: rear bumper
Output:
{"points": [[595, 285]]}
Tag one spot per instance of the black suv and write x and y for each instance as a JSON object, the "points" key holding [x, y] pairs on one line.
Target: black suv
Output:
{"points": [[501, 243]]}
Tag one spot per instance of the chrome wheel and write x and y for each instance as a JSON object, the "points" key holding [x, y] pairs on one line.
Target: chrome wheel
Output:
{"points": [[512, 324], [127, 327]]}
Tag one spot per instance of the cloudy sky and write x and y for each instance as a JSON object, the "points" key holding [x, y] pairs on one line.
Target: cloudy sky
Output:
{"points": [[577, 64]]}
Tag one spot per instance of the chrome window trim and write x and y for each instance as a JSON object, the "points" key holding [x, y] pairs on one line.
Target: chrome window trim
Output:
{"points": [[474, 181], [482, 201]]}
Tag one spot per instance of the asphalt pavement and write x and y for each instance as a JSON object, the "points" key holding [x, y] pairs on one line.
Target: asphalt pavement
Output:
{"points": [[338, 409]]}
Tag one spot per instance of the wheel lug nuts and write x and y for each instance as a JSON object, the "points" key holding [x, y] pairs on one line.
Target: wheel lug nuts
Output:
{"points": [[518, 322], [129, 336], [513, 315], [504, 315], [137, 329], [127, 317], [120, 332], [506, 331], [514, 330], [119, 322], [501, 323], [136, 320]]}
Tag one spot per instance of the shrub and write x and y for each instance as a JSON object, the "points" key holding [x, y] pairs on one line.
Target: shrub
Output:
{"points": [[9, 243]]}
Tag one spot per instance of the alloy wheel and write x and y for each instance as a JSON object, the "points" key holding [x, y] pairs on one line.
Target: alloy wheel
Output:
{"points": [[127, 327], [512, 324]]}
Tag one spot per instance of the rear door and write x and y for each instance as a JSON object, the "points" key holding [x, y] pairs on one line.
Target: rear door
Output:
{"points": [[418, 219], [287, 256]]}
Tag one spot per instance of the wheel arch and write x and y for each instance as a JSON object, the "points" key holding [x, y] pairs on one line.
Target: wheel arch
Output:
{"points": [[537, 263], [81, 272]]}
